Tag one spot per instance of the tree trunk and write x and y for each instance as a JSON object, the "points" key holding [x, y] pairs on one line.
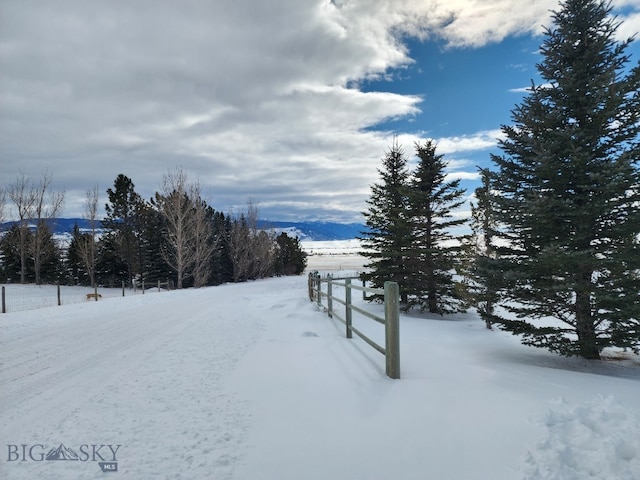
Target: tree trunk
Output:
{"points": [[585, 328], [23, 254]]}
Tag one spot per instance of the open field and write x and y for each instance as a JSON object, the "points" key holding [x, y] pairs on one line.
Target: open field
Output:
{"points": [[253, 381], [334, 256]]}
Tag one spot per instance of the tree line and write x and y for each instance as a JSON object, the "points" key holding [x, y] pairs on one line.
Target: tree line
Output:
{"points": [[174, 236], [554, 249]]}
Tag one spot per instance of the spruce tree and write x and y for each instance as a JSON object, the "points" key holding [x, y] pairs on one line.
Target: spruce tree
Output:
{"points": [[120, 219], [152, 231], [11, 255], [111, 269], [482, 281], [387, 239], [291, 259], [221, 264], [76, 269], [434, 248], [567, 191]]}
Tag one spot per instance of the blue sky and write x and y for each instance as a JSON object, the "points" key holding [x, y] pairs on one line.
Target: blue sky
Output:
{"points": [[289, 104], [464, 89], [466, 93]]}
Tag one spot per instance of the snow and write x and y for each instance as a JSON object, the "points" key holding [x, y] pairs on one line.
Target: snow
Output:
{"points": [[28, 297], [253, 381]]}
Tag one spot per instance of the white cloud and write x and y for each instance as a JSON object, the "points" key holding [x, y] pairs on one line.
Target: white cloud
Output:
{"points": [[466, 143], [630, 26], [462, 176], [528, 89], [256, 99]]}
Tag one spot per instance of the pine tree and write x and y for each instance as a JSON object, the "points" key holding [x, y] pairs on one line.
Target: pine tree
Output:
{"points": [[222, 267], [482, 282], [11, 253], [121, 220], [388, 236], [51, 265], [111, 269], [434, 250], [152, 231], [290, 258], [568, 190], [76, 268]]}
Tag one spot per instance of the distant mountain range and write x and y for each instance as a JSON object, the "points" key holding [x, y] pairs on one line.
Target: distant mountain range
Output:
{"points": [[309, 231]]}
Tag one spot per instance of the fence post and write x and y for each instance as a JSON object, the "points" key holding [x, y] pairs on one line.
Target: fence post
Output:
{"points": [[58, 285], [310, 287], [392, 328], [122, 289], [4, 304], [347, 301], [143, 287], [95, 291], [329, 297], [319, 291], [364, 285]]}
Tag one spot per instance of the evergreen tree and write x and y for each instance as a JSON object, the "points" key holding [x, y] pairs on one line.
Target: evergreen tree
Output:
{"points": [[434, 249], [567, 192], [51, 267], [222, 266], [482, 281], [120, 219], [290, 258], [388, 236], [111, 269], [11, 252], [76, 268], [152, 229]]}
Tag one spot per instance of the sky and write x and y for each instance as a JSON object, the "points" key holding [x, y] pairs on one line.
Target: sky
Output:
{"points": [[290, 104]]}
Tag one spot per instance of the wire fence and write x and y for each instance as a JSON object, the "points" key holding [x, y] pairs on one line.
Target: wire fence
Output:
{"points": [[21, 297]]}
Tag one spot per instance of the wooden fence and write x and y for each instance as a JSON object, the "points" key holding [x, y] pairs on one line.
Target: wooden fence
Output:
{"points": [[391, 320]]}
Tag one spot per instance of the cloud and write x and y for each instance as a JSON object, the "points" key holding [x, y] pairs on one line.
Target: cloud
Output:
{"points": [[528, 89], [630, 26], [255, 99], [479, 141]]}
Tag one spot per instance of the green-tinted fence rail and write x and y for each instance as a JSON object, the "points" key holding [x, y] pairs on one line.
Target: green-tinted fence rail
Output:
{"points": [[391, 320]]}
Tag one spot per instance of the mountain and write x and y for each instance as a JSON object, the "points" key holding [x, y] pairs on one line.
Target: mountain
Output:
{"points": [[315, 230], [62, 227], [61, 453]]}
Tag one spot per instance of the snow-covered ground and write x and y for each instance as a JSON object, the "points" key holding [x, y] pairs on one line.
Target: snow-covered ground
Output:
{"points": [[253, 382], [30, 297], [334, 256]]}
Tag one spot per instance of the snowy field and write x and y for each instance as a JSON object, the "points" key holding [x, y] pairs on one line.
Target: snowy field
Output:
{"points": [[336, 257], [253, 382]]}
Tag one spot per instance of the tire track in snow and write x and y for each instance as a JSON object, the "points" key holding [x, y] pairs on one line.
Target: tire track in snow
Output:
{"points": [[146, 380]]}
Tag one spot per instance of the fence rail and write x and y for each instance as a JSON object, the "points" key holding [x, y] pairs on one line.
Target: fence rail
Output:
{"points": [[391, 320]]}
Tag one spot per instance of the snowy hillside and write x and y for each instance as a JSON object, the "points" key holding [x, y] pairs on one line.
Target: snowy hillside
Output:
{"points": [[253, 382], [320, 231]]}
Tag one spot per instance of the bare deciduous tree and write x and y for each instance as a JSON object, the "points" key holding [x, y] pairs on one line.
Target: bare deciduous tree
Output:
{"points": [[262, 244], [46, 206], [251, 249], [175, 206], [21, 193], [88, 248], [3, 202], [204, 243], [239, 248]]}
